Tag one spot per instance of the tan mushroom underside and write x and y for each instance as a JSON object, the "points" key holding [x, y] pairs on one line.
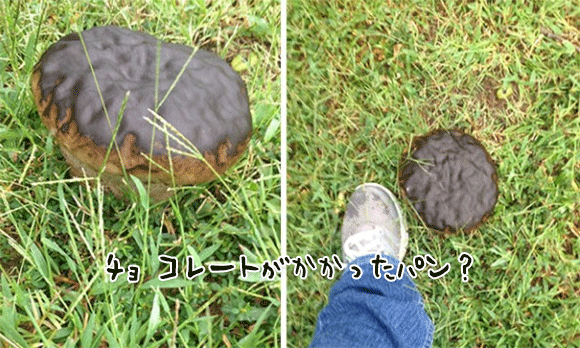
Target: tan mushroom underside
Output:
{"points": [[82, 154]]}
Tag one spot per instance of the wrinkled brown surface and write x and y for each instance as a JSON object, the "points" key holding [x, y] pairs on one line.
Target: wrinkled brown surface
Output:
{"points": [[208, 105], [451, 180]]}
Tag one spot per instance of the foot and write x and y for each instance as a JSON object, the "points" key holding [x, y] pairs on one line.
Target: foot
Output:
{"points": [[374, 223]]}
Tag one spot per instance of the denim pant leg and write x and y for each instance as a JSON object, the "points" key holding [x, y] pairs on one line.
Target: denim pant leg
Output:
{"points": [[370, 312]]}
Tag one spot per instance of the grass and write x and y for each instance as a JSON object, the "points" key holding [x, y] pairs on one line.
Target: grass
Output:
{"points": [[56, 231], [365, 77]]}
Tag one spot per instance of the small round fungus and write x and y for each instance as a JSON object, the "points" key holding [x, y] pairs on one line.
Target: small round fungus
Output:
{"points": [[82, 85], [450, 179]]}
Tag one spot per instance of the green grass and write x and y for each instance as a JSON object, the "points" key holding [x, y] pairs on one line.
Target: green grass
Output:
{"points": [[364, 77], [56, 232]]}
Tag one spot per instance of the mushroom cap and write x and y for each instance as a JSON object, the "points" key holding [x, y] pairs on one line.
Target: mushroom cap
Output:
{"points": [[450, 179], [208, 105]]}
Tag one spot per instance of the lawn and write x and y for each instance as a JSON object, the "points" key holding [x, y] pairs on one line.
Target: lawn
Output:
{"points": [[365, 77], [56, 231]]}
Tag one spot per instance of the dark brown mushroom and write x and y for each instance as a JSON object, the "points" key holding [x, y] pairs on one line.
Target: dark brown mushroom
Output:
{"points": [[207, 104], [450, 179]]}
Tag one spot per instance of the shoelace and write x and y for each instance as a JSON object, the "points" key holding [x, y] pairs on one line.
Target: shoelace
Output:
{"points": [[373, 241]]}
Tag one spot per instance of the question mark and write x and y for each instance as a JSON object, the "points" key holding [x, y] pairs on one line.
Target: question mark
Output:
{"points": [[466, 261]]}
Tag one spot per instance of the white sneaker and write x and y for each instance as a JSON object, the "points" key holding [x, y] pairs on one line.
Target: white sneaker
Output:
{"points": [[374, 223]]}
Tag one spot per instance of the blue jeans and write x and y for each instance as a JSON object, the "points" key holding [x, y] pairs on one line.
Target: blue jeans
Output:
{"points": [[370, 312]]}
